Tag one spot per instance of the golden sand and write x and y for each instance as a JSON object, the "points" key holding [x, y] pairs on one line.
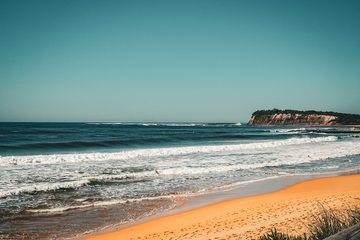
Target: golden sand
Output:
{"points": [[251, 217]]}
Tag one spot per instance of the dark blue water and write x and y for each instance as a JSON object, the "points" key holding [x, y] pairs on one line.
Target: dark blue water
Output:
{"points": [[58, 138], [50, 138]]}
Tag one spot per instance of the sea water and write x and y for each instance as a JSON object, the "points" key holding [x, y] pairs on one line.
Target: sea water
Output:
{"points": [[64, 179]]}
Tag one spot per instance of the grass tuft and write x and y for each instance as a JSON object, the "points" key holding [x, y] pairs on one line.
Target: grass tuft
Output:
{"points": [[323, 224], [274, 235]]}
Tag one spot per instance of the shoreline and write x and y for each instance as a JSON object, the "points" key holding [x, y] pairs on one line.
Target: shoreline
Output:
{"points": [[207, 207], [296, 125]]}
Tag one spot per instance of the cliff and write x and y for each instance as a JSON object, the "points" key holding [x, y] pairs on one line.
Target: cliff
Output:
{"points": [[294, 119], [302, 118]]}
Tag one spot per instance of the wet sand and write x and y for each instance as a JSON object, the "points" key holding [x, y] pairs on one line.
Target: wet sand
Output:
{"points": [[249, 217]]}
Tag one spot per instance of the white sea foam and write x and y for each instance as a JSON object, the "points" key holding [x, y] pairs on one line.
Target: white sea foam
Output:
{"points": [[169, 196], [292, 155], [292, 131], [44, 187], [301, 157], [152, 152], [101, 203], [329, 167]]}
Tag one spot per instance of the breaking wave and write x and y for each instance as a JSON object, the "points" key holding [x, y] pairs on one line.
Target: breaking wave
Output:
{"points": [[130, 154], [151, 152]]}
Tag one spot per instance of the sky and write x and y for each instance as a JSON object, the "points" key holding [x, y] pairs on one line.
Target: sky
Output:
{"points": [[176, 60]]}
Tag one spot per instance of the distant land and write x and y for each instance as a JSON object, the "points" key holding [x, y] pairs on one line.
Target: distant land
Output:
{"points": [[302, 118]]}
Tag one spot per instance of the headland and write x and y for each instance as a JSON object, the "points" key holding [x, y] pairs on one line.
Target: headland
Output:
{"points": [[276, 117]]}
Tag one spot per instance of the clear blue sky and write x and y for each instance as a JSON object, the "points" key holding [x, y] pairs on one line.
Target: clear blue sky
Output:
{"points": [[176, 60]]}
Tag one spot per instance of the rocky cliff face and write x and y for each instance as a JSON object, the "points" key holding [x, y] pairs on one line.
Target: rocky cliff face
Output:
{"points": [[293, 120]]}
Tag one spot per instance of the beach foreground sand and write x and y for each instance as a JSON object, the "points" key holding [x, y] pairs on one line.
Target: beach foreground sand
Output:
{"points": [[250, 217]]}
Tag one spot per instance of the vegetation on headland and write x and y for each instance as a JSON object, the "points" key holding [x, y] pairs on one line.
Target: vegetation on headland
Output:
{"points": [[341, 118], [322, 225]]}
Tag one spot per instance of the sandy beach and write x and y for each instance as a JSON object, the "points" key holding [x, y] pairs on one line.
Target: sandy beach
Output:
{"points": [[250, 217]]}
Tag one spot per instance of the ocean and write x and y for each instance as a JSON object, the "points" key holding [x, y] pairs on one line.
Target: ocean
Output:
{"points": [[59, 180]]}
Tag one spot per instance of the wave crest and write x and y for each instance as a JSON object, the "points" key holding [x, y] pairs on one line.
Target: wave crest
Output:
{"points": [[151, 152]]}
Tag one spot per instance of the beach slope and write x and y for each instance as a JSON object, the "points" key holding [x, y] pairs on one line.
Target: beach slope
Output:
{"points": [[251, 217]]}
